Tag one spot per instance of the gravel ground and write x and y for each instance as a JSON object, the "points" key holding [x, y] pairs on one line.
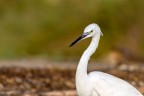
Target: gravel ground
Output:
{"points": [[45, 78]]}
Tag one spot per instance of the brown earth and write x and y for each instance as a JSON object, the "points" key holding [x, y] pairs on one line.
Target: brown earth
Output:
{"points": [[44, 78]]}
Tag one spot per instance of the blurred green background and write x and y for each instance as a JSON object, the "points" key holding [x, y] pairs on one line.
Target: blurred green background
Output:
{"points": [[45, 28]]}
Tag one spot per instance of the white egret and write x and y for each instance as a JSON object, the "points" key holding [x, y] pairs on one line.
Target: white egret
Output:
{"points": [[98, 83]]}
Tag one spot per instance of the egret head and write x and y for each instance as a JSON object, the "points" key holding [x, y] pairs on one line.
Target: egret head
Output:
{"points": [[90, 31]]}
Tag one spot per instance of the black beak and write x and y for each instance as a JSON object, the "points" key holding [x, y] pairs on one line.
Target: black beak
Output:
{"points": [[77, 40]]}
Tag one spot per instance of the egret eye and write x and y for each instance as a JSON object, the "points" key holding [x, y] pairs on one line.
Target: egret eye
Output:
{"points": [[90, 32]]}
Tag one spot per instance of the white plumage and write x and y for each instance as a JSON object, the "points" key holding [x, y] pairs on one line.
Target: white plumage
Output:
{"points": [[98, 83]]}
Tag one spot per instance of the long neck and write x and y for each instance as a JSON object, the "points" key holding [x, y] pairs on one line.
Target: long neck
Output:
{"points": [[82, 66]]}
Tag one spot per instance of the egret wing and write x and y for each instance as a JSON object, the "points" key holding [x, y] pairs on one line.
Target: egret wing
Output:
{"points": [[108, 85]]}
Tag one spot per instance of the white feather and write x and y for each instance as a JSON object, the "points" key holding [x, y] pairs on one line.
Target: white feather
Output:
{"points": [[99, 83]]}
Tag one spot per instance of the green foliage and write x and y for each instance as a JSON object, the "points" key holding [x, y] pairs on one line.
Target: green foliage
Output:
{"points": [[47, 27]]}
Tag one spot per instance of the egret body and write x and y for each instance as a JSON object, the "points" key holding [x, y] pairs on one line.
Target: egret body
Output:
{"points": [[98, 83]]}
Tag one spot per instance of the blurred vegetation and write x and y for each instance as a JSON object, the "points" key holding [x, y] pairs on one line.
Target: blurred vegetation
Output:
{"points": [[30, 28]]}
